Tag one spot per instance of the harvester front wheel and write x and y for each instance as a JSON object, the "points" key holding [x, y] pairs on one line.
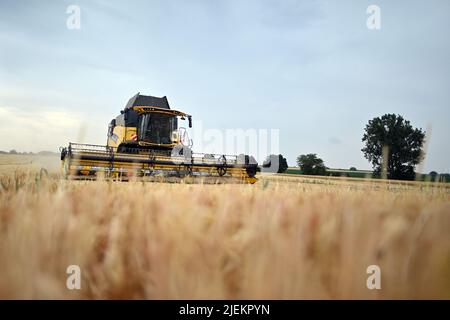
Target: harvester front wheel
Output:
{"points": [[222, 168]]}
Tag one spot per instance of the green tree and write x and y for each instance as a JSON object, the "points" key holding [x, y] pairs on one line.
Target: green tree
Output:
{"points": [[433, 175], [353, 169], [311, 164], [400, 143], [278, 162]]}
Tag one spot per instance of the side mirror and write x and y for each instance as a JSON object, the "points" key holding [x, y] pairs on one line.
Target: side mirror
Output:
{"points": [[190, 121], [111, 126]]}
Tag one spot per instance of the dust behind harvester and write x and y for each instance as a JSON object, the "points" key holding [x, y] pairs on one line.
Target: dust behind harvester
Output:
{"points": [[146, 141]]}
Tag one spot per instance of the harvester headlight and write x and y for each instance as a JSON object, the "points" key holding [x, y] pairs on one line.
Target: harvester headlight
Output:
{"points": [[175, 136]]}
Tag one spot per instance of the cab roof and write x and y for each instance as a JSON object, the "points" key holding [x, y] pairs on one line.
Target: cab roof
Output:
{"points": [[148, 101]]}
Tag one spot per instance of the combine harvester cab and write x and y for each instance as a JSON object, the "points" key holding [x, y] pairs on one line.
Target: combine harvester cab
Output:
{"points": [[145, 141]]}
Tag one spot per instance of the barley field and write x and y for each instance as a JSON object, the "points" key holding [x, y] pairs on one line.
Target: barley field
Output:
{"points": [[284, 237]]}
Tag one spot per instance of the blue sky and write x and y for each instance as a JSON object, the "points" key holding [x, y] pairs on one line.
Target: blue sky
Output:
{"points": [[311, 69]]}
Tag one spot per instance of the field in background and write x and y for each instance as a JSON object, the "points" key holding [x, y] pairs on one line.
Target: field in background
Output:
{"points": [[367, 174], [286, 237], [336, 172], [9, 163]]}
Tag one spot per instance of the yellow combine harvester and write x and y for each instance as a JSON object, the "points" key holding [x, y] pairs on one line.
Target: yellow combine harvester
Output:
{"points": [[145, 141]]}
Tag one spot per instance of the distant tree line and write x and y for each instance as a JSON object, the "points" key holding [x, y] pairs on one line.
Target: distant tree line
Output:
{"points": [[41, 153], [391, 144], [311, 164]]}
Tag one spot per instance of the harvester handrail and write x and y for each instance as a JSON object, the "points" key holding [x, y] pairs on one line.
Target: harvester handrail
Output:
{"points": [[79, 147]]}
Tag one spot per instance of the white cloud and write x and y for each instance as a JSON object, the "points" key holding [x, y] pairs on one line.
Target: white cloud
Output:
{"points": [[39, 129]]}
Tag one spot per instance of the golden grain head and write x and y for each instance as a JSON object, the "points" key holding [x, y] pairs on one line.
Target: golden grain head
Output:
{"points": [[282, 238]]}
